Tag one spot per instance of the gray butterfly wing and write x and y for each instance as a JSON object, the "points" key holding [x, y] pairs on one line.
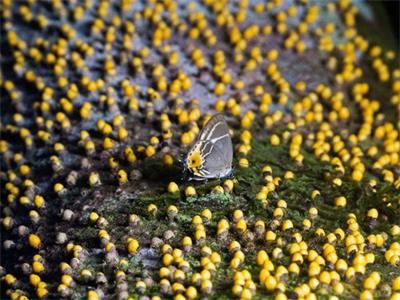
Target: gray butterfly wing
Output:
{"points": [[216, 149], [216, 164], [216, 126]]}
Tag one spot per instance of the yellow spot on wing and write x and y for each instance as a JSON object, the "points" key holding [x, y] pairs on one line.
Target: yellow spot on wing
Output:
{"points": [[194, 160]]}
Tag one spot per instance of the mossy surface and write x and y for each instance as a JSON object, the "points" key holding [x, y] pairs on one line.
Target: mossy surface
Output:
{"points": [[312, 175]]}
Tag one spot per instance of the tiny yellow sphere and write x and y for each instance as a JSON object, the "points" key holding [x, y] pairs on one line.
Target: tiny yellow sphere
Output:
{"points": [[396, 283], [92, 295], [395, 230], [152, 208], [168, 160], [186, 138], [373, 213], [122, 176], [132, 245], [37, 267], [150, 151], [366, 295], [340, 201], [288, 175], [218, 189], [58, 187], [243, 163], [270, 283], [173, 188], [274, 140], [42, 292], [190, 191], [206, 213], [357, 175], [93, 217], [34, 240], [191, 292]]}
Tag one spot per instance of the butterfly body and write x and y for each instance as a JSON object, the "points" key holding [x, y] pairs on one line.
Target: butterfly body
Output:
{"points": [[211, 155]]}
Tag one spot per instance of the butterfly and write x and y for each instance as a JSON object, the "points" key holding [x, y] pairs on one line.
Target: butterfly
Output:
{"points": [[211, 155]]}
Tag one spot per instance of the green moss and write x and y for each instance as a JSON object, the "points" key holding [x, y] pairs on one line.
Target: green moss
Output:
{"points": [[312, 175], [84, 234]]}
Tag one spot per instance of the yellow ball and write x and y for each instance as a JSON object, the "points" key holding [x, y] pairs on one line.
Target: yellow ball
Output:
{"points": [[373, 213], [190, 191], [122, 176], [186, 138], [219, 89], [34, 241], [173, 188], [42, 292], [274, 140], [37, 267], [340, 201], [108, 143], [132, 245], [58, 187], [168, 160], [395, 230], [150, 151], [218, 189], [92, 295], [357, 175], [122, 134], [243, 163], [270, 283], [396, 283], [288, 175]]}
